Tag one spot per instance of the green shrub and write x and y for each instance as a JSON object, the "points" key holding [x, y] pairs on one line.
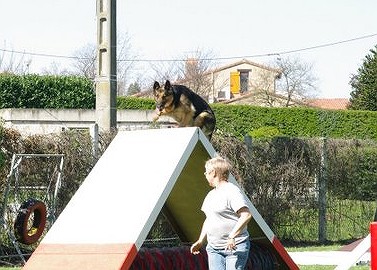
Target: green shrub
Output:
{"points": [[36, 91], [264, 132], [352, 169], [239, 120], [133, 103]]}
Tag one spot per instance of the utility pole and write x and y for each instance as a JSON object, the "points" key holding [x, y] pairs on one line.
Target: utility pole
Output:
{"points": [[106, 75]]}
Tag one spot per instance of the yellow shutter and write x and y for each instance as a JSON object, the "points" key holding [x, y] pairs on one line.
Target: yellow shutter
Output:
{"points": [[235, 82]]}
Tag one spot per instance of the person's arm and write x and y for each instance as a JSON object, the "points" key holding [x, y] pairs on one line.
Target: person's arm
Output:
{"points": [[243, 220], [195, 247]]}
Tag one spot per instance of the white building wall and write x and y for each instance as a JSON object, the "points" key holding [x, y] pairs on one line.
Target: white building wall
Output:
{"points": [[258, 77]]}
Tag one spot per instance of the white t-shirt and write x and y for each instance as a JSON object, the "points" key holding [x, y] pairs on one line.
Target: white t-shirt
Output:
{"points": [[220, 207]]}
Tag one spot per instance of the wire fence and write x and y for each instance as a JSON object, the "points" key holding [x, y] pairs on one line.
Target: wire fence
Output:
{"points": [[307, 190]]}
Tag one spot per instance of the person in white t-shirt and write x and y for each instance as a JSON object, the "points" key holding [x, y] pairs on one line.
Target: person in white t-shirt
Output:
{"points": [[227, 216]]}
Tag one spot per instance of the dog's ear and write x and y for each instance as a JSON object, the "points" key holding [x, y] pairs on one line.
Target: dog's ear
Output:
{"points": [[167, 85], [156, 85], [168, 88]]}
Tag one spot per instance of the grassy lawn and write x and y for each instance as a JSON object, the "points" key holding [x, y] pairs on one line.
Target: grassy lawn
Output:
{"points": [[314, 248], [322, 267], [328, 267]]}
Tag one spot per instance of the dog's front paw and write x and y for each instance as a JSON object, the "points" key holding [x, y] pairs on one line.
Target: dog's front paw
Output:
{"points": [[155, 118], [157, 115]]}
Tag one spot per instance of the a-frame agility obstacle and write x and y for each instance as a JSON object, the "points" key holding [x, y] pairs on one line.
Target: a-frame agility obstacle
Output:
{"points": [[107, 220]]}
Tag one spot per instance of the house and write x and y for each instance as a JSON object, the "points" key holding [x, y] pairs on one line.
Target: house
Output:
{"points": [[245, 82], [241, 78], [228, 81]]}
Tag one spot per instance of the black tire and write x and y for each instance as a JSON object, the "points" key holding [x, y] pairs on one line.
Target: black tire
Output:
{"points": [[25, 233]]}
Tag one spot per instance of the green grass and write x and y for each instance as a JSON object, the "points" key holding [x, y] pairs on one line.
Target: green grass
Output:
{"points": [[313, 248], [321, 248]]}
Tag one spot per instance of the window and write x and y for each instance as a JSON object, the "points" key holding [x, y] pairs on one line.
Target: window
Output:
{"points": [[244, 80]]}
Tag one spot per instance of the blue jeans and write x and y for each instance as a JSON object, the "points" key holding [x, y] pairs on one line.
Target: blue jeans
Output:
{"points": [[220, 259]]}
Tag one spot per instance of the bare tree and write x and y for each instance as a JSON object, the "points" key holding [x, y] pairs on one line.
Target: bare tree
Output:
{"points": [[193, 71], [85, 62], [265, 88], [165, 70], [126, 57], [86, 57], [56, 68], [14, 62], [196, 71], [297, 80]]}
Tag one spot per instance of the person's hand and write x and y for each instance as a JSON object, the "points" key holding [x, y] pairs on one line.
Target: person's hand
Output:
{"points": [[195, 248], [231, 244]]}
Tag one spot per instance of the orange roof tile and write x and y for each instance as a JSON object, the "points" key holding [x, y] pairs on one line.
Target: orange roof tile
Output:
{"points": [[329, 103]]}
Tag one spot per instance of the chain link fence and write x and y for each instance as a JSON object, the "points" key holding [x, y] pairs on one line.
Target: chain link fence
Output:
{"points": [[307, 190]]}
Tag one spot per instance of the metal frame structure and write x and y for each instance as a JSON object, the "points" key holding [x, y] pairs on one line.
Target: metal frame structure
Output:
{"points": [[15, 188]]}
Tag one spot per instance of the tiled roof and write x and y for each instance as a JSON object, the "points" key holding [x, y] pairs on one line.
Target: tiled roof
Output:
{"points": [[245, 61], [329, 103]]}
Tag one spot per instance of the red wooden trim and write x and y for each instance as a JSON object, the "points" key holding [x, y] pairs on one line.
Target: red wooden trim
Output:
{"points": [[284, 254], [82, 256]]}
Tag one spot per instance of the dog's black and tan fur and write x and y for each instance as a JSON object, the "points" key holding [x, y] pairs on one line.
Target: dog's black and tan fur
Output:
{"points": [[184, 106]]}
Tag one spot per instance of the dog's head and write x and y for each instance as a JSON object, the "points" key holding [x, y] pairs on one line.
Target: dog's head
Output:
{"points": [[163, 95]]}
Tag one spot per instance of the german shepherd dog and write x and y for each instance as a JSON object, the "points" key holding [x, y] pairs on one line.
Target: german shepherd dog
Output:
{"points": [[184, 106]]}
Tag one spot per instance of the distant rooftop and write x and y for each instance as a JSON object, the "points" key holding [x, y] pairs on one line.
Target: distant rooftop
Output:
{"points": [[329, 103]]}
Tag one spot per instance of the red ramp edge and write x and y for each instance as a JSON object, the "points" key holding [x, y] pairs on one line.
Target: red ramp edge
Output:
{"points": [[82, 256], [284, 254]]}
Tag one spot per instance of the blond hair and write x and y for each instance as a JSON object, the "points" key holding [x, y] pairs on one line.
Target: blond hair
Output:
{"points": [[220, 165]]}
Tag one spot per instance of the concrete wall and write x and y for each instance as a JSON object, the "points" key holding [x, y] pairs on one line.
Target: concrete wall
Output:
{"points": [[44, 121]]}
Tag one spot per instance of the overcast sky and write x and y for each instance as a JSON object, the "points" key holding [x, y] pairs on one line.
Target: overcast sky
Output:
{"points": [[171, 29]]}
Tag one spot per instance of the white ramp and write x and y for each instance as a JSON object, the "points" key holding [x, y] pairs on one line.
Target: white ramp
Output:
{"points": [[353, 256], [109, 217]]}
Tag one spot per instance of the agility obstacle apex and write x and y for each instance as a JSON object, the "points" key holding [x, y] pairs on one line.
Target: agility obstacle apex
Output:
{"points": [[107, 220]]}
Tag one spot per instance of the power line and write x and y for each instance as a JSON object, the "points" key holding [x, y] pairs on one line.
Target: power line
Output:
{"points": [[326, 44], [263, 55], [206, 59], [43, 54]]}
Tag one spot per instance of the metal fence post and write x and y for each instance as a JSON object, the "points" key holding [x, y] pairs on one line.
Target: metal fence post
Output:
{"points": [[322, 201]]}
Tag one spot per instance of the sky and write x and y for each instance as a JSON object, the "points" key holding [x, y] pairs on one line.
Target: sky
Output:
{"points": [[260, 31]]}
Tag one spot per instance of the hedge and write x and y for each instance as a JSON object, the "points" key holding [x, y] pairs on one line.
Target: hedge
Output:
{"points": [[70, 92], [240, 120], [35, 91], [134, 103]]}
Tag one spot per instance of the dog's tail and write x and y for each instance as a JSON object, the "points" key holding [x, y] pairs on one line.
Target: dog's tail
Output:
{"points": [[208, 125]]}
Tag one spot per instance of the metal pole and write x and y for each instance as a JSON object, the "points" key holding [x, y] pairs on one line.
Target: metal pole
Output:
{"points": [[95, 140], [322, 201]]}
